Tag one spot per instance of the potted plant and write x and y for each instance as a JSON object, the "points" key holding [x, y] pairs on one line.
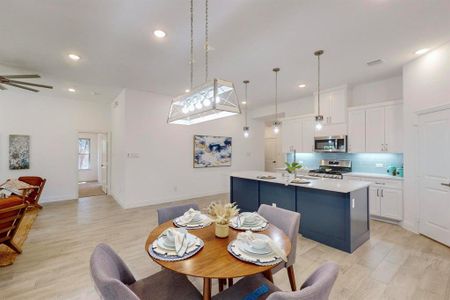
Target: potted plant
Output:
{"points": [[292, 168], [221, 214]]}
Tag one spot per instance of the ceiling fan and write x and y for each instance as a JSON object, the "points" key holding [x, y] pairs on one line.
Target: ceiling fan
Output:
{"points": [[10, 80]]}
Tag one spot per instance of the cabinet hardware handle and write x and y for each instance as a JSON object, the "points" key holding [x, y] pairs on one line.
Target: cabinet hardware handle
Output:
{"points": [[378, 193], [382, 193], [446, 184], [381, 183]]}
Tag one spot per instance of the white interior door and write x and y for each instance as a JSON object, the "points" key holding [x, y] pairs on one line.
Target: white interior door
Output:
{"points": [[270, 154], [103, 160], [434, 145]]}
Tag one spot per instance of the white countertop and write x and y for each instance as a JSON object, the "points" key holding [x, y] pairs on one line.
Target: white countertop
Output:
{"points": [[373, 175], [326, 184]]}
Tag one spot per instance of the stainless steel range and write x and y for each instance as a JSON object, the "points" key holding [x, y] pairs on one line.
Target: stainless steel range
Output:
{"points": [[332, 169]]}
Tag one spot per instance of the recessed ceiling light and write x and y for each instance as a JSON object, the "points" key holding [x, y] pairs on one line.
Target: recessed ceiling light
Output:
{"points": [[422, 51], [187, 90], [244, 102], [72, 90], [159, 33], [302, 85], [74, 57]]}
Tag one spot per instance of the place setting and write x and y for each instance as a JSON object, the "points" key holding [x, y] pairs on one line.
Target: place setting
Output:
{"points": [[256, 248], [192, 219], [175, 244], [249, 221]]}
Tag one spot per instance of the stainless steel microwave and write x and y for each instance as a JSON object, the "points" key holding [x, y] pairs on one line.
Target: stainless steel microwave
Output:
{"points": [[330, 143]]}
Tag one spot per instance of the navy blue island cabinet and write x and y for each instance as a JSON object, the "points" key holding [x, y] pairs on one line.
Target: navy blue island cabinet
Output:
{"points": [[337, 219]]}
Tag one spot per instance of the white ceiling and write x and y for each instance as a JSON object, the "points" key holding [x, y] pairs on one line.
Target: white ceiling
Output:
{"points": [[249, 37]]}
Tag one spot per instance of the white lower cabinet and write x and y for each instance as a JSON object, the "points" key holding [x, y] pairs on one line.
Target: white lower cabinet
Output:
{"points": [[391, 203], [385, 197], [374, 201]]}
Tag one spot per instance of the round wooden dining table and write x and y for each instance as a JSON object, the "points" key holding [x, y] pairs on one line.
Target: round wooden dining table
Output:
{"points": [[214, 260]]}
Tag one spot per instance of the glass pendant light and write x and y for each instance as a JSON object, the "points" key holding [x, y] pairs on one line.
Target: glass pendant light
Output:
{"points": [[212, 100], [245, 103], [276, 124], [319, 117]]}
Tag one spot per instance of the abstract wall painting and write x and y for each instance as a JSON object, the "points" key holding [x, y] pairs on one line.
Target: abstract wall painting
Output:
{"points": [[19, 152], [212, 151]]}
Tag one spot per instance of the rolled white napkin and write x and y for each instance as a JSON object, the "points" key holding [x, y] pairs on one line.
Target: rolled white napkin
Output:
{"points": [[188, 216], [241, 218], [251, 238], [180, 239]]}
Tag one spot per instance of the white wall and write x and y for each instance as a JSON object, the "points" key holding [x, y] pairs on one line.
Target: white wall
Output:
{"points": [[53, 125], [162, 169], [362, 94], [389, 89], [296, 107], [92, 173], [426, 84]]}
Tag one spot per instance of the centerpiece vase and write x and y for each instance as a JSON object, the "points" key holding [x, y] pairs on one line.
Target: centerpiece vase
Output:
{"points": [[222, 230]]}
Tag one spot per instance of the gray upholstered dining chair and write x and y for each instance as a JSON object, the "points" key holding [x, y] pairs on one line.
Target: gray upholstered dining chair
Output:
{"points": [[289, 222], [113, 280], [169, 213], [318, 286]]}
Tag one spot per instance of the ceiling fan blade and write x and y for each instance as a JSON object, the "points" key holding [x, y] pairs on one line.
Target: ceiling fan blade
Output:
{"points": [[21, 76], [22, 87], [32, 84], [2, 87]]}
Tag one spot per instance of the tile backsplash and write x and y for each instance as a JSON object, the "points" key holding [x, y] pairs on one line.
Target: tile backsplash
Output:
{"points": [[361, 162]]}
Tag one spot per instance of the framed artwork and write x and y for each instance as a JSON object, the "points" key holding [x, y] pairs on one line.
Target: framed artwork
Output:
{"points": [[212, 151], [19, 152]]}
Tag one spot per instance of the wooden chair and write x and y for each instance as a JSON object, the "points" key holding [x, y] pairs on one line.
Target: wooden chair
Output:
{"points": [[33, 197], [12, 211]]}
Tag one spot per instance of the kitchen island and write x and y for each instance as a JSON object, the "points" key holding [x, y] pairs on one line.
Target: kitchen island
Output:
{"points": [[333, 212]]}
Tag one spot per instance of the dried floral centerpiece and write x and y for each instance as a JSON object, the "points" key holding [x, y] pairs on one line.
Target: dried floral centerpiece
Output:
{"points": [[221, 215]]}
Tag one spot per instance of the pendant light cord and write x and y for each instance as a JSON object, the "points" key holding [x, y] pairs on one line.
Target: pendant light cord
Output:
{"points": [[191, 61], [276, 70], [246, 103], [206, 41], [318, 84]]}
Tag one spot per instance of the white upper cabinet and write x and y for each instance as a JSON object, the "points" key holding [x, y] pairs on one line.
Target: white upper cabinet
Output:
{"points": [[357, 131], [308, 127], [333, 105], [291, 135], [338, 106], [375, 130], [298, 135], [393, 120]]}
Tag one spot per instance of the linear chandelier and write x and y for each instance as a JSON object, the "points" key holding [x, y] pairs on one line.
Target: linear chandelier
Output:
{"points": [[212, 100]]}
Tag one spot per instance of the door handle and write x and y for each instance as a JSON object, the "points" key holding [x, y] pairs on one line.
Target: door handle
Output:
{"points": [[445, 184]]}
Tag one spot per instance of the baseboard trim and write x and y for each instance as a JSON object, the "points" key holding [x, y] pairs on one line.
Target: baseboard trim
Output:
{"points": [[410, 227], [49, 199]]}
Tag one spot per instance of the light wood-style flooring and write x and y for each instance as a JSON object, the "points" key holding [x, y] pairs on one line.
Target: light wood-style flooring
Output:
{"points": [[394, 264], [89, 189]]}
